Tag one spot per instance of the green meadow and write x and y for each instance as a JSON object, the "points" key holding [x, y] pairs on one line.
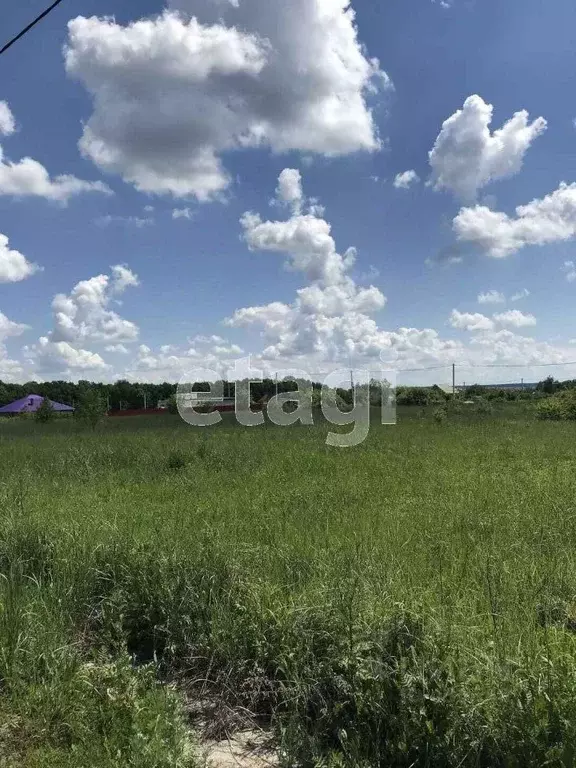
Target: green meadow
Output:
{"points": [[407, 602]]}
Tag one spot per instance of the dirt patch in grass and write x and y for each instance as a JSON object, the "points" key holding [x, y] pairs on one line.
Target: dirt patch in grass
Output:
{"points": [[248, 749]]}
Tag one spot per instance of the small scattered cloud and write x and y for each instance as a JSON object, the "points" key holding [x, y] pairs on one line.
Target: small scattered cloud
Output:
{"points": [[135, 221], [7, 122], [183, 213], [569, 270], [523, 294], [491, 297], [406, 180], [118, 349]]}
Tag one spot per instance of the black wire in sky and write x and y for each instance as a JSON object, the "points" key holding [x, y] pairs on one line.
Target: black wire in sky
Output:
{"points": [[29, 27]]}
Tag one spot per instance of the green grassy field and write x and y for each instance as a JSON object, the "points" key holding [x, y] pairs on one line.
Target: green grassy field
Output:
{"points": [[408, 602]]}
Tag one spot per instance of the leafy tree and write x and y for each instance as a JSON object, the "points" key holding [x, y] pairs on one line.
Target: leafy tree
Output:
{"points": [[91, 408], [412, 396], [45, 412], [549, 385]]}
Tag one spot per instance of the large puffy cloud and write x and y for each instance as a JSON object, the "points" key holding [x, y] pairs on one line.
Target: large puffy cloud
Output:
{"points": [[546, 220], [307, 241], [331, 319], [14, 266], [331, 322], [507, 348], [84, 317], [84, 314], [467, 157], [53, 357], [172, 93]]}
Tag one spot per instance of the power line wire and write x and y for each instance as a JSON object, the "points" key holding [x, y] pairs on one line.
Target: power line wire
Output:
{"points": [[26, 29]]}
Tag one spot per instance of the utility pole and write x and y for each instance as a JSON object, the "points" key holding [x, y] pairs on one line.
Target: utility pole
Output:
{"points": [[453, 379], [276, 383]]}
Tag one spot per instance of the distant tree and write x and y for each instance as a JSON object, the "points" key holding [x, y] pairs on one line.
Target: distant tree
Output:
{"points": [[91, 408], [45, 412], [412, 396], [549, 386]]}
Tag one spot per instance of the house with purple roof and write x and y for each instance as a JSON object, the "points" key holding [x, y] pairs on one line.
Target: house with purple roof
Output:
{"points": [[30, 404]]}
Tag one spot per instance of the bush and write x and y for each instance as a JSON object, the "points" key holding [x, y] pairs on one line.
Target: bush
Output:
{"points": [[45, 412], [440, 415], [483, 407], [92, 408], [560, 407]]}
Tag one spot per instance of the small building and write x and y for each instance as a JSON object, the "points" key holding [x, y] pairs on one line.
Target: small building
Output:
{"points": [[30, 404], [445, 388]]}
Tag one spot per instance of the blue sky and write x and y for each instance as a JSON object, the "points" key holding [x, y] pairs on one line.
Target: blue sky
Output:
{"points": [[200, 107]]}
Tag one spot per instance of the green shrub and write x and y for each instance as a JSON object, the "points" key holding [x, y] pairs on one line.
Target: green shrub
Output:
{"points": [[92, 408], [483, 407], [440, 415], [560, 407], [45, 412]]}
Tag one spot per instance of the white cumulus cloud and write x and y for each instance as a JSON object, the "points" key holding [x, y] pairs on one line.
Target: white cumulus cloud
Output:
{"points": [[515, 319], [84, 315], [547, 220], [13, 265], [29, 178], [467, 157], [173, 93], [406, 180], [7, 122], [470, 321], [289, 189], [53, 357]]}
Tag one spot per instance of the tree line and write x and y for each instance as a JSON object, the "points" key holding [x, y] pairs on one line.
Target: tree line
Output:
{"points": [[127, 395]]}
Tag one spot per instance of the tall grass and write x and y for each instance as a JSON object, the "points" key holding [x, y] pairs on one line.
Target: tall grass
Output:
{"points": [[411, 601]]}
